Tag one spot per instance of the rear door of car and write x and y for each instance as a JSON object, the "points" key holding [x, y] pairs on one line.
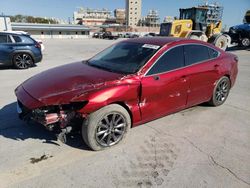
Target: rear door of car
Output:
{"points": [[202, 70], [165, 86], [6, 48], [22, 42]]}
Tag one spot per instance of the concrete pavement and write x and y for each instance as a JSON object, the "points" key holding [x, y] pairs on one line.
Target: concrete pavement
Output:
{"points": [[198, 147]]}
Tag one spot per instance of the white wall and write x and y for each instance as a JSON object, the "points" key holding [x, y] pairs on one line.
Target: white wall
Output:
{"points": [[5, 26], [57, 34]]}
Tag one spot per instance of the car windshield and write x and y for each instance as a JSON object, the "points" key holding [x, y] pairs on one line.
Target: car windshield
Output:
{"points": [[124, 57]]}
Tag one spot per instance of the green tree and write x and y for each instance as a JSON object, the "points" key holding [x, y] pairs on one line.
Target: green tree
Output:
{"points": [[30, 19]]}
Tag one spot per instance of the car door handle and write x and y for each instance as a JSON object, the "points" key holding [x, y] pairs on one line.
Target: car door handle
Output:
{"points": [[156, 78], [216, 66]]}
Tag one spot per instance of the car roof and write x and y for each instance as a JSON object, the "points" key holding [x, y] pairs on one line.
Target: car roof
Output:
{"points": [[160, 41], [12, 33]]}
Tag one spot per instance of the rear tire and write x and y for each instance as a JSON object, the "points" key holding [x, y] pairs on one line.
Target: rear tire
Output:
{"points": [[106, 127], [22, 61], [221, 91]]}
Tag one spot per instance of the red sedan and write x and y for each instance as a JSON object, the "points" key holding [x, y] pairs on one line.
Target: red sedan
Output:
{"points": [[128, 84]]}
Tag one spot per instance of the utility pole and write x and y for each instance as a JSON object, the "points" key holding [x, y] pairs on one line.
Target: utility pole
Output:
{"points": [[5, 22]]}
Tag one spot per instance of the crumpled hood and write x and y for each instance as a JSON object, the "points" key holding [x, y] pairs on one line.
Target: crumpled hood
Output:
{"points": [[62, 83]]}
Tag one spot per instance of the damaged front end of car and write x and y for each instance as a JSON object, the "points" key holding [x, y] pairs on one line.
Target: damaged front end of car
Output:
{"points": [[62, 119]]}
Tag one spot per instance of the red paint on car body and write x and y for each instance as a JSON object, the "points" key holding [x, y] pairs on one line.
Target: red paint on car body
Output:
{"points": [[145, 97]]}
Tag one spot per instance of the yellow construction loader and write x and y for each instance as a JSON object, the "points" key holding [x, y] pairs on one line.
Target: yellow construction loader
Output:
{"points": [[201, 23]]}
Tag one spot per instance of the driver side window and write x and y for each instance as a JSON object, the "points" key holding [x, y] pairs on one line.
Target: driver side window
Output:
{"points": [[171, 60]]}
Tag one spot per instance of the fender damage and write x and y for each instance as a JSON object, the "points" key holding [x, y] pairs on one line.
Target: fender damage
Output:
{"points": [[62, 108]]}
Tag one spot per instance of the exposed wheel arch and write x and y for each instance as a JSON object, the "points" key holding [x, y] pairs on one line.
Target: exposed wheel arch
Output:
{"points": [[227, 75], [124, 105]]}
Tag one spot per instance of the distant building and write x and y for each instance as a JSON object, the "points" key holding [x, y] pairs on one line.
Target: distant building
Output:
{"points": [[133, 12], [52, 30], [120, 16], [38, 30], [215, 12], [151, 20], [93, 17]]}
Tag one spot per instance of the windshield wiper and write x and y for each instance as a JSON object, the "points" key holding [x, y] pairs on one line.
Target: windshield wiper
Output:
{"points": [[101, 67], [108, 69]]}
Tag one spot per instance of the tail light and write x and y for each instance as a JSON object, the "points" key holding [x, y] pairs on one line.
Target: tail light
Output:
{"points": [[37, 45]]}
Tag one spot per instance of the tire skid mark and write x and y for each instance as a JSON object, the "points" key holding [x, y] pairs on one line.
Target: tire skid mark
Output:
{"points": [[152, 164]]}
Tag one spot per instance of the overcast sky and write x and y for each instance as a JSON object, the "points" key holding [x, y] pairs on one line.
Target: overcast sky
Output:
{"points": [[234, 10]]}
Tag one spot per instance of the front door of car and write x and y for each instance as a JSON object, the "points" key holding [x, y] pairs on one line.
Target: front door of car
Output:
{"points": [[5, 48], [165, 86], [202, 71]]}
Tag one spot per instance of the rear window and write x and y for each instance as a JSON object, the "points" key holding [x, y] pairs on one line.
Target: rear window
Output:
{"points": [[17, 39], [195, 54], [213, 53], [23, 39]]}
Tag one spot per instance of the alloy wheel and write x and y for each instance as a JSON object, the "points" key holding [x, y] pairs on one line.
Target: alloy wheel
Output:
{"points": [[23, 61], [245, 42], [110, 129], [222, 91]]}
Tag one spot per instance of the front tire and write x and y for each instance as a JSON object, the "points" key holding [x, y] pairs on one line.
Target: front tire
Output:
{"points": [[106, 127], [219, 41], [245, 42], [22, 61], [221, 91]]}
